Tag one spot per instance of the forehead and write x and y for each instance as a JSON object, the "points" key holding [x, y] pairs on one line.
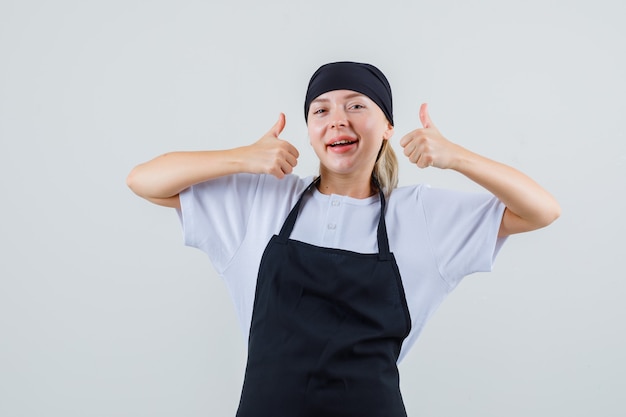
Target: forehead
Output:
{"points": [[338, 95]]}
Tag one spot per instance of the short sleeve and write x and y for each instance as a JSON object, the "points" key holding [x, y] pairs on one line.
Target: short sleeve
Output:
{"points": [[214, 215], [463, 229]]}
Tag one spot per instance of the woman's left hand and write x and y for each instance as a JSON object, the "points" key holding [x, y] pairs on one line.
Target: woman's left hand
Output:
{"points": [[427, 147]]}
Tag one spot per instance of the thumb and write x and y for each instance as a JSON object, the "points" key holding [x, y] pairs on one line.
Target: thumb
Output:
{"points": [[425, 117], [279, 126]]}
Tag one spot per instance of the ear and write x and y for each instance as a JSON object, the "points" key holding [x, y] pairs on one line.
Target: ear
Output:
{"points": [[388, 133]]}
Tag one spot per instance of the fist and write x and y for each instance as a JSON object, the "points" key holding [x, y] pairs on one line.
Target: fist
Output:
{"points": [[426, 147], [272, 155]]}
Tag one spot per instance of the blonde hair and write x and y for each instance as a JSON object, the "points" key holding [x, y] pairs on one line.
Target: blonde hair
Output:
{"points": [[386, 168]]}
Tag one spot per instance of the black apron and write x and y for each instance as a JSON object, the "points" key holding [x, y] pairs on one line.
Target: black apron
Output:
{"points": [[327, 327]]}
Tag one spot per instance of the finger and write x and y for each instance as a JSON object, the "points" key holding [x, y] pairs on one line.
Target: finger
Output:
{"points": [[279, 126], [406, 139], [291, 160], [411, 152], [424, 161], [425, 117], [278, 173], [409, 148], [286, 167], [414, 157], [293, 151]]}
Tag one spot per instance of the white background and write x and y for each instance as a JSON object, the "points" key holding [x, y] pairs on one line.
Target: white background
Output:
{"points": [[103, 311]]}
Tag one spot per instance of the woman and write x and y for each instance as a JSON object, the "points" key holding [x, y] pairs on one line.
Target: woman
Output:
{"points": [[333, 278]]}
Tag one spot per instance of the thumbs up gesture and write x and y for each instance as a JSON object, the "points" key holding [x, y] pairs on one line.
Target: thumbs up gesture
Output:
{"points": [[426, 147], [270, 154]]}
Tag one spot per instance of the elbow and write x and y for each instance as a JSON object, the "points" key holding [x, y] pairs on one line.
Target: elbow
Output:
{"points": [[550, 214], [541, 216], [554, 210], [131, 180], [556, 213]]}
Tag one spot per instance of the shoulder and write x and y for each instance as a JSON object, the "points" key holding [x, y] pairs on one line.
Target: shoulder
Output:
{"points": [[289, 184], [406, 198], [407, 193]]}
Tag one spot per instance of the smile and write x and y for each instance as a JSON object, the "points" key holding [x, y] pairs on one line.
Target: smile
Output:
{"points": [[342, 142]]}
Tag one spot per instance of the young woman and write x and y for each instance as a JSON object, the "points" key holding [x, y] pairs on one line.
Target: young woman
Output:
{"points": [[334, 277]]}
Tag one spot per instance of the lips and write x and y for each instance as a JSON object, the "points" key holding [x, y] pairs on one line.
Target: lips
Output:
{"points": [[341, 141]]}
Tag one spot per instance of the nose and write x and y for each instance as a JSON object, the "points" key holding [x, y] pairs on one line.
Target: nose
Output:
{"points": [[338, 119]]}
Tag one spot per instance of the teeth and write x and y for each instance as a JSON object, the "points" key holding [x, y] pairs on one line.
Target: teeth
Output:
{"points": [[341, 142]]}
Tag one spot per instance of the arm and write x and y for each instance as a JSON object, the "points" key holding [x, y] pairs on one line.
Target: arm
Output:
{"points": [[161, 179], [528, 205]]}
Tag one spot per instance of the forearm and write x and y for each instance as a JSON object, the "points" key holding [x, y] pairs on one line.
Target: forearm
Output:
{"points": [[163, 178], [528, 205], [532, 206], [167, 175]]}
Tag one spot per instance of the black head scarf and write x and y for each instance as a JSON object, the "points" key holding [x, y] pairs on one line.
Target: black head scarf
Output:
{"points": [[362, 78]]}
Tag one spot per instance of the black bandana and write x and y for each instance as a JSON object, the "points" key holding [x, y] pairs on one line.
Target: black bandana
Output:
{"points": [[362, 78]]}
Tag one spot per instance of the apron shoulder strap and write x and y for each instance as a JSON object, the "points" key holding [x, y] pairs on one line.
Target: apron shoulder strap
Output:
{"points": [[384, 254], [290, 222], [383, 240]]}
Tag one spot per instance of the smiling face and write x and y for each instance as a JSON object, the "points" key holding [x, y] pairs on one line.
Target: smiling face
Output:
{"points": [[346, 130]]}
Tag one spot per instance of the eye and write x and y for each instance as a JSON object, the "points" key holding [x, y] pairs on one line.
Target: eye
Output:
{"points": [[319, 111], [357, 106]]}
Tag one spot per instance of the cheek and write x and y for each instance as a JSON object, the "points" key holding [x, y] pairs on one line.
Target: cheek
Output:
{"points": [[375, 128], [315, 133]]}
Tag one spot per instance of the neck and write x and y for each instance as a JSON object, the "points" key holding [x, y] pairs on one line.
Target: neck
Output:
{"points": [[355, 187]]}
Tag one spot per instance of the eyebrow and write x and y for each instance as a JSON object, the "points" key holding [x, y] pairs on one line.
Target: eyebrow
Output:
{"points": [[348, 96]]}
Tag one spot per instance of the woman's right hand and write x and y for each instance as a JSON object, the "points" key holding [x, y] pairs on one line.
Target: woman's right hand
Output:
{"points": [[270, 154]]}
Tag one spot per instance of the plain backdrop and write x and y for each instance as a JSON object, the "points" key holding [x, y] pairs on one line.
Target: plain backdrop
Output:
{"points": [[104, 312]]}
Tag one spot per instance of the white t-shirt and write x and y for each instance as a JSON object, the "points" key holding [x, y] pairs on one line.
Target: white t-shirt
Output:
{"points": [[437, 236]]}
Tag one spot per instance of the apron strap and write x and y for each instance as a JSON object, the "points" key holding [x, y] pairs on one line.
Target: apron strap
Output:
{"points": [[290, 222], [383, 241]]}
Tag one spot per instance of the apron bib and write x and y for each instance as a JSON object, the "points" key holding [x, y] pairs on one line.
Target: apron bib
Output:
{"points": [[327, 327]]}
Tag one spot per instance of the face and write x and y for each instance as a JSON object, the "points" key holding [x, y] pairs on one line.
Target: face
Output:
{"points": [[346, 130]]}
